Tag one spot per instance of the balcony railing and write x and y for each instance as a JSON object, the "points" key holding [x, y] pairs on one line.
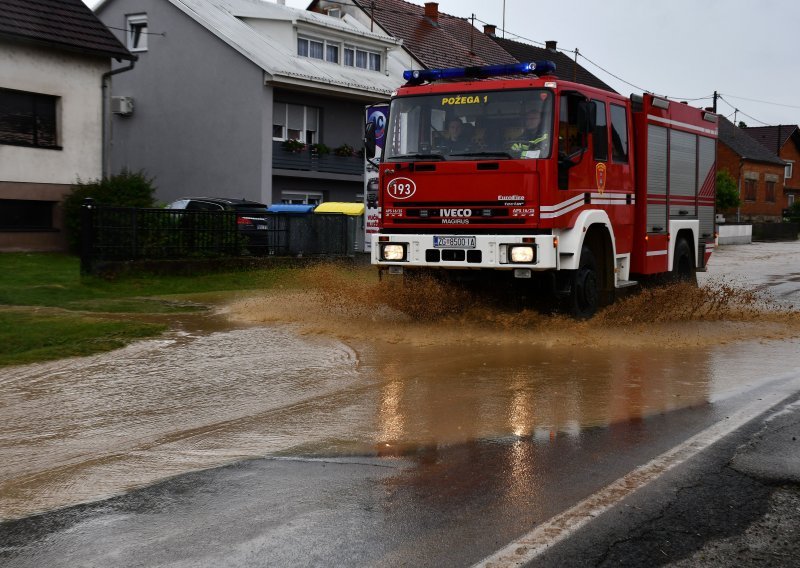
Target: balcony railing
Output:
{"points": [[309, 160]]}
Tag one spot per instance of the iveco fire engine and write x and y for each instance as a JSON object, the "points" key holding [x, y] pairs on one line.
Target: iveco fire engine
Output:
{"points": [[607, 189]]}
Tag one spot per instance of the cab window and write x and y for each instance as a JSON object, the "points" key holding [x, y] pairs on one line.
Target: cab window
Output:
{"points": [[619, 134], [600, 133]]}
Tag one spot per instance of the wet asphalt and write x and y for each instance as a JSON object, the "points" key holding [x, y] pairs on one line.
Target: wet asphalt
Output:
{"points": [[453, 504], [737, 504], [734, 504]]}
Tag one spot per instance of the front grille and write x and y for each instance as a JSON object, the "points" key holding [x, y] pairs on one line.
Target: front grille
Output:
{"points": [[454, 255]]}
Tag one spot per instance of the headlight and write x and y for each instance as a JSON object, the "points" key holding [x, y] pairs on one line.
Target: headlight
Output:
{"points": [[394, 252], [523, 254]]}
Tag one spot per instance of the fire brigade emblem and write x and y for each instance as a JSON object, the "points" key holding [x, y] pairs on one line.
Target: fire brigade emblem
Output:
{"points": [[600, 177]]}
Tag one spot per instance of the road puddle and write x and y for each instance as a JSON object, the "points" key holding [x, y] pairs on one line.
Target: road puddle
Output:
{"points": [[337, 369]]}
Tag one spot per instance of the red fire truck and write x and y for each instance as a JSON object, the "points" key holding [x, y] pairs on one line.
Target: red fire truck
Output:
{"points": [[598, 191]]}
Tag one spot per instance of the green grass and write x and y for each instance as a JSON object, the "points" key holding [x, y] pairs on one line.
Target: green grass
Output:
{"points": [[28, 337], [32, 281]]}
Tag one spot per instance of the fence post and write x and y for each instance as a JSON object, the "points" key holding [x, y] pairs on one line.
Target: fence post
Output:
{"points": [[87, 235]]}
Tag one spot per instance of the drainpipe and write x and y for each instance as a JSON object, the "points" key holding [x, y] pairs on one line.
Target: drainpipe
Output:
{"points": [[106, 154]]}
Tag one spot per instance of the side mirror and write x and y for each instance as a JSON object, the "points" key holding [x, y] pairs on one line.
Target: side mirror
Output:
{"points": [[369, 140]]}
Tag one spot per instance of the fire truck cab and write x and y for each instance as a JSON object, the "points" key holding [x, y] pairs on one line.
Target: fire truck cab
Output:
{"points": [[508, 174]]}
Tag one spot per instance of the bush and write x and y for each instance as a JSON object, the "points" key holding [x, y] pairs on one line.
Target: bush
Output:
{"points": [[126, 189], [292, 145], [344, 151]]}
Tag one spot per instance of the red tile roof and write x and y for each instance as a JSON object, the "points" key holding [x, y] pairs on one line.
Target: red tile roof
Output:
{"points": [[63, 24], [444, 43]]}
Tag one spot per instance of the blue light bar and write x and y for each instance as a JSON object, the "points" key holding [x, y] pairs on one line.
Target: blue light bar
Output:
{"points": [[415, 77]]}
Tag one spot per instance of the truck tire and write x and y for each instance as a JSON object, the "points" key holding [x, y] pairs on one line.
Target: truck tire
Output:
{"points": [[683, 268], [584, 297]]}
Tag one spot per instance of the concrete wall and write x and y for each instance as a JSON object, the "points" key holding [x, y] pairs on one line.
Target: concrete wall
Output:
{"points": [[45, 174], [202, 123], [735, 234], [77, 81]]}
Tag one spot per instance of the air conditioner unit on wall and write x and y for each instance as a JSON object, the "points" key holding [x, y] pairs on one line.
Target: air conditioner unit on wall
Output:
{"points": [[122, 105]]}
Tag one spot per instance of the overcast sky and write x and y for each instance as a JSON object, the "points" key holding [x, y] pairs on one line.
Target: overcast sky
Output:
{"points": [[685, 49]]}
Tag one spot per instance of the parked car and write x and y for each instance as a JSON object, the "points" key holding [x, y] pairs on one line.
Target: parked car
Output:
{"points": [[251, 216]]}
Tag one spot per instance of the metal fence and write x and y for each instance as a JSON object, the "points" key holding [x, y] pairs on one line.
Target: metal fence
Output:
{"points": [[111, 234]]}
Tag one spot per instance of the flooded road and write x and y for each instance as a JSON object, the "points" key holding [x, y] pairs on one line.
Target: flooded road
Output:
{"points": [[335, 370]]}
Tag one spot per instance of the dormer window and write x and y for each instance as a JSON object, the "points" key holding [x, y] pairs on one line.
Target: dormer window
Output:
{"points": [[357, 57], [335, 12], [318, 49], [137, 32], [335, 52]]}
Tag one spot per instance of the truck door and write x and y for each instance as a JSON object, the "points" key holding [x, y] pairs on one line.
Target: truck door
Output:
{"points": [[576, 122]]}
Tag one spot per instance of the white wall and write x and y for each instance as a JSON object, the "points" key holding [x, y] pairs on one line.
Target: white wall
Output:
{"points": [[77, 80]]}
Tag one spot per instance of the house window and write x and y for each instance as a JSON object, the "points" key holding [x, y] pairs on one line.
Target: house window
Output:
{"points": [[26, 215], [332, 53], [361, 58], [296, 122], [137, 32], [28, 119], [787, 174], [311, 198], [318, 49], [769, 194], [749, 189]]}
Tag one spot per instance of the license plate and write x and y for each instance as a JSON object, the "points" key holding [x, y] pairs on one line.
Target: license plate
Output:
{"points": [[262, 227], [454, 242]]}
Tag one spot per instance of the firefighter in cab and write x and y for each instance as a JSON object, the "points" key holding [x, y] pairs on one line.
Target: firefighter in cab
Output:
{"points": [[534, 139]]}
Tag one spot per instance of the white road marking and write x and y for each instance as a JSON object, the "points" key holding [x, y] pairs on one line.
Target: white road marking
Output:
{"points": [[533, 544]]}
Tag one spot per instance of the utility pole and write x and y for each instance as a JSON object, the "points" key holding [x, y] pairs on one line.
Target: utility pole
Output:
{"points": [[575, 67], [471, 35], [504, 18], [716, 96]]}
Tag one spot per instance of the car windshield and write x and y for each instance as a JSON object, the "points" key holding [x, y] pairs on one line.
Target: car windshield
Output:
{"points": [[472, 125]]}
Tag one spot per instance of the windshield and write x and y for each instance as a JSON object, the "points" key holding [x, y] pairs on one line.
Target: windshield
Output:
{"points": [[466, 126]]}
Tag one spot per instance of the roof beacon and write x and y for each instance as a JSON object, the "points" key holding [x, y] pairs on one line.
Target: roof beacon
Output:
{"points": [[415, 77]]}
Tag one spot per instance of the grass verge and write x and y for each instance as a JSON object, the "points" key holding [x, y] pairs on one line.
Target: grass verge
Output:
{"points": [[32, 281]]}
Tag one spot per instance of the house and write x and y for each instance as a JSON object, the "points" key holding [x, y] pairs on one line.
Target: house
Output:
{"points": [[784, 141], [433, 39], [758, 172], [241, 98], [566, 68], [54, 55]]}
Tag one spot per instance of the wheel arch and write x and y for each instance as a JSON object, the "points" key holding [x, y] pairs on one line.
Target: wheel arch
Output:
{"points": [[687, 230]]}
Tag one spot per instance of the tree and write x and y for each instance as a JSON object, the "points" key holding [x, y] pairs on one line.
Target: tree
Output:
{"points": [[727, 191], [742, 124]]}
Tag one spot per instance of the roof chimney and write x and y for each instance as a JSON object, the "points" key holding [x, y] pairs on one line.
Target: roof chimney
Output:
{"points": [[550, 44], [432, 11], [490, 29]]}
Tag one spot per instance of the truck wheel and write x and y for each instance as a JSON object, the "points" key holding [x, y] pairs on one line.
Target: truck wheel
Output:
{"points": [[683, 268], [584, 298]]}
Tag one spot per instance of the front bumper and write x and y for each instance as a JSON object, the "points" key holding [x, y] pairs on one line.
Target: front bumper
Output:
{"points": [[489, 251]]}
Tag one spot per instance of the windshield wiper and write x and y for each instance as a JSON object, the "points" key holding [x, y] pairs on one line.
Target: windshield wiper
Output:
{"points": [[484, 154], [418, 157]]}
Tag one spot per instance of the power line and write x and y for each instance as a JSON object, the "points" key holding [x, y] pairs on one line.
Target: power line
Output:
{"points": [[740, 111], [762, 102]]}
